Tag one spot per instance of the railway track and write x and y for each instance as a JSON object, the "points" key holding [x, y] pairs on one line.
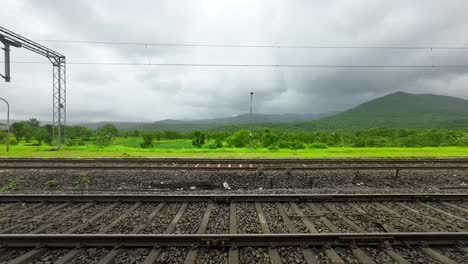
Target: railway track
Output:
{"points": [[396, 228], [234, 164]]}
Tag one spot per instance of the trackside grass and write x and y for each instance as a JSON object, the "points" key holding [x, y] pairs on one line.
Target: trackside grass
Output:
{"points": [[178, 149]]}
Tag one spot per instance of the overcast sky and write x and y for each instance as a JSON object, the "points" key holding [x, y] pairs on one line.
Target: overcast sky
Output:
{"points": [[149, 93]]}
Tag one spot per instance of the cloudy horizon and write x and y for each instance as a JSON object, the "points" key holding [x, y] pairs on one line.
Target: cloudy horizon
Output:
{"points": [[149, 93]]}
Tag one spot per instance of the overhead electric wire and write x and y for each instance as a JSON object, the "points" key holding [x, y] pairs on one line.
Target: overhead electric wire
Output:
{"points": [[257, 46], [250, 65]]}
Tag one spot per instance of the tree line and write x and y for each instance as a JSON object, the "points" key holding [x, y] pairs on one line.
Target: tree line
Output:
{"points": [[33, 132]]}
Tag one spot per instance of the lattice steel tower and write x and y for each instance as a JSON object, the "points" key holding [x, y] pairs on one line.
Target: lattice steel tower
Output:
{"points": [[59, 86]]}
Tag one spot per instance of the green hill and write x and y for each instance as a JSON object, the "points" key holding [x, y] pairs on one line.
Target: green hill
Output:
{"points": [[402, 110]]}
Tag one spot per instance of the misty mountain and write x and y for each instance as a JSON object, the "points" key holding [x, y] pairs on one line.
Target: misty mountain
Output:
{"points": [[402, 110], [201, 124]]}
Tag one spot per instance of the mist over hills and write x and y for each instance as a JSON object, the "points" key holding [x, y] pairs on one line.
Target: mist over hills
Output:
{"points": [[396, 110], [188, 125]]}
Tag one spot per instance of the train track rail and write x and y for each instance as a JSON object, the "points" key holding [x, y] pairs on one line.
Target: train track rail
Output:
{"points": [[236, 161], [235, 164], [388, 228]]}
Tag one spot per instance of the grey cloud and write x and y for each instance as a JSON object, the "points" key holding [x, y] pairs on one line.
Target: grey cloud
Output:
{"points": [[130, 93]]}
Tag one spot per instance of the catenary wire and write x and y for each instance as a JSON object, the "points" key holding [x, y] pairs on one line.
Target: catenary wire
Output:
{"points": [[256, 46], [249, 65]]}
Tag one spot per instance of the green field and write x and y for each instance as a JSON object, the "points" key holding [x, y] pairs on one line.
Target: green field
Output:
{"points": [[183, 149]]}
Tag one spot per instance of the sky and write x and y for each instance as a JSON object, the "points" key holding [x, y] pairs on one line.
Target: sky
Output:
{"points": [[149, 93]]}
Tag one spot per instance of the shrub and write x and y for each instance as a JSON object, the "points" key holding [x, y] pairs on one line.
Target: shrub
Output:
{"points": [[52, 183], [11, 186], [297, 145], [82, 182]]}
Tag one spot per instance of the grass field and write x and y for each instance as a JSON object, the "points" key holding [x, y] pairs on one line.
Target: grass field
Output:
{"points": [[177, 150]]}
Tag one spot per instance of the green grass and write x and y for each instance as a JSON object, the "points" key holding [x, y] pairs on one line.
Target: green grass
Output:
{"points": [[126, 151], [166, 144]]}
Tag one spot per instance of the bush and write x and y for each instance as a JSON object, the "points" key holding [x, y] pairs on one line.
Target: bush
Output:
{"points": [[284, 144], [212, 146], [318, 146], [198, 139], [239, 139], [219, 143], [147, 140], [273, 148], [295, 145]]}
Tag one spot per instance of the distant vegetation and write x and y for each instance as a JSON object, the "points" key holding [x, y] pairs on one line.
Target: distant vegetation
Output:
{"points": [[397, 120]]}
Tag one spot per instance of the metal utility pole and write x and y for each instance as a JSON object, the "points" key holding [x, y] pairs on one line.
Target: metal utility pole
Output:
{"points": [[8, 125], [250, 123], [9, 38]]}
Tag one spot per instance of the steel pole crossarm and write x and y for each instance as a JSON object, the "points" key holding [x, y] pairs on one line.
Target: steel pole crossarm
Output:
{"points": [[27, 43]]}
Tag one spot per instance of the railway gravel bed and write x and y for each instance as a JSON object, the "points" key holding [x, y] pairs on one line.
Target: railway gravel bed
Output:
{"points": [[247, 219], [105, 220], [279, 217], [152, 180], [219, 220], [248, 255], [160, 223]]}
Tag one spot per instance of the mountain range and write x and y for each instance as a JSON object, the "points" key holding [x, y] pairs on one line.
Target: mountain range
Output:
{"points": [[396, 110]]}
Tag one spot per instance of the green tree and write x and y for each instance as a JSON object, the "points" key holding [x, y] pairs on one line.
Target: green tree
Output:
{"points": [[269, 139], [28, 133], [198, 139], [147, 140], [18, 129], [41, 135], [33, 122], [50, 132], [105, 135], [239, 139]]}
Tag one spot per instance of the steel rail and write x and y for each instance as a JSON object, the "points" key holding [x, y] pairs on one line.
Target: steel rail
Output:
{"points": [[230, 197], [215, 168], [233, 161], [224, 240]]}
